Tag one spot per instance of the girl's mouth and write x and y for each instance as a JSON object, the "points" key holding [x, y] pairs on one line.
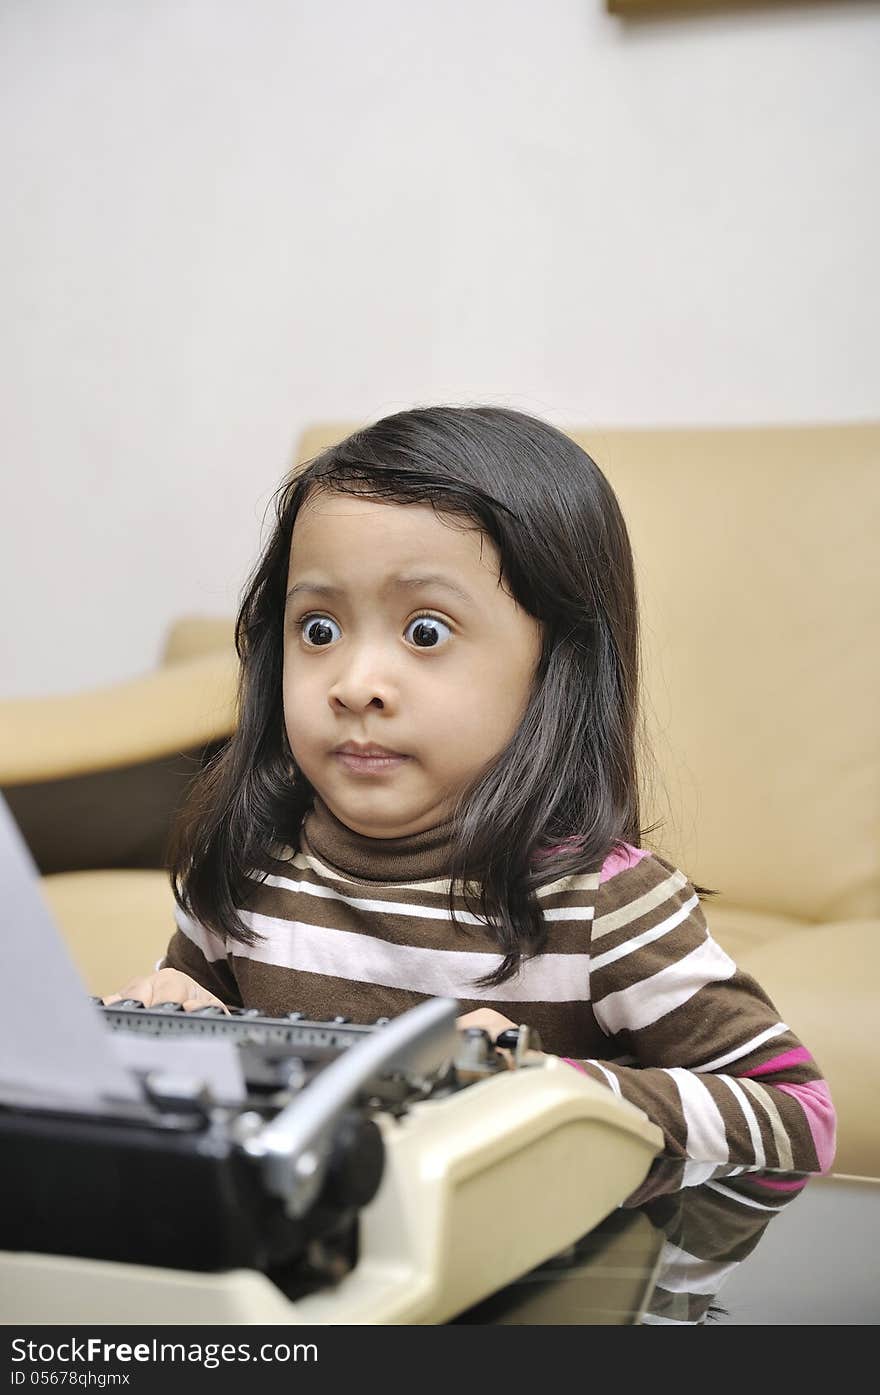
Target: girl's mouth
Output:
{"points": [[369, 765]]}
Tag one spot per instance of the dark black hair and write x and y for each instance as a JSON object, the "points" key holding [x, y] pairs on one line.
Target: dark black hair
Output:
{"points": [[564, 792]]}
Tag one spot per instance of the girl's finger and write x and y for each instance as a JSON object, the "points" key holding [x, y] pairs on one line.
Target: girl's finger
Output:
{"points": [[139, 989], [201, 1000]]}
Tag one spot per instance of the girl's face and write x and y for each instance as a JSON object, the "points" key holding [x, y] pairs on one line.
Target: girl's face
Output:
{"points": [[398, 634]]}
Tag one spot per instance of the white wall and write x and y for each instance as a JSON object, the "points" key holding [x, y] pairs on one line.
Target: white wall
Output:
{"points": [[223, 221]]}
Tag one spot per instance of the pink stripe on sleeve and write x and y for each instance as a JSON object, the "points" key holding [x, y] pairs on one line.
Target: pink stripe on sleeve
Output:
{"points": [[577, 1065], [781, 1186], [815, 1100], [620, 860], [795, 1057]]}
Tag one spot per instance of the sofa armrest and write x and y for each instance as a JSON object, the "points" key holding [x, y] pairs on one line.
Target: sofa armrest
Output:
{"points": [[194, 635], [176, 708]]}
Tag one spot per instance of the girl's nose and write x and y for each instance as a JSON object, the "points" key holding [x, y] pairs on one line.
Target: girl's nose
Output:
{"points": [[361, 686]]}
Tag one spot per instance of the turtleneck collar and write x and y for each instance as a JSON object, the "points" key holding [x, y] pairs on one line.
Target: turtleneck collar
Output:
{"points": [[415, 857]]}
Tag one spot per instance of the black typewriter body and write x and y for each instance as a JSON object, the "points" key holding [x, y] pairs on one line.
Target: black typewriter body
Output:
{"points": [[150, 1191]]}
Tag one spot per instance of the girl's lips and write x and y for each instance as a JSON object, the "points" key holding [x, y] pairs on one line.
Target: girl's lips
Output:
{"points": [[369, 765]]}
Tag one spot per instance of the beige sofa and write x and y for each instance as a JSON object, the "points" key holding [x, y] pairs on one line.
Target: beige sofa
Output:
{"points": [[758, 567], [93, 779]]}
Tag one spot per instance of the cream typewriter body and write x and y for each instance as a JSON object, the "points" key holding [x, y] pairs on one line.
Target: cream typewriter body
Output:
{"points": [[397, 1173]]}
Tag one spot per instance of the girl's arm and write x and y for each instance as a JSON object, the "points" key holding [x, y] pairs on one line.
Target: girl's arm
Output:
{"points": [[694, 1042]]}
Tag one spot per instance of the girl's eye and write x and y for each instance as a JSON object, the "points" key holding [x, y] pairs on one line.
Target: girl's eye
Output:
{"points": [[318, 629], [425, 632]]}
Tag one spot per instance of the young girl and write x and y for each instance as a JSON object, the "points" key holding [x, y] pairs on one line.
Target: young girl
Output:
{"points": [[432, 790]]}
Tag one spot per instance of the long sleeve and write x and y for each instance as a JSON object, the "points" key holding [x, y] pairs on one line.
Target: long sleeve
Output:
{"points": [[202, 954], [693, 1041], [709, 1230]]}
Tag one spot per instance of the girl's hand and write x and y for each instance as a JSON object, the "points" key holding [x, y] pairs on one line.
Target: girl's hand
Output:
{"points": [[166, 986], [495, 1023], [492, 1022]]}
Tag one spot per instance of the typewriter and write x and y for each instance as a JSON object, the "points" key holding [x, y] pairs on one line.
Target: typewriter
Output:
{"points": [[369, 1174]]}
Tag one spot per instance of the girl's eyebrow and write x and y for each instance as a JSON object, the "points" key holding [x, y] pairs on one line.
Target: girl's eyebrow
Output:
{"points": [[410, 582]]}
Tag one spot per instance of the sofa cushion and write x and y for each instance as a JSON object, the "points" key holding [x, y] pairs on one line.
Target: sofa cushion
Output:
{"points": [[115, 924], [759, 574], [743, 931]]}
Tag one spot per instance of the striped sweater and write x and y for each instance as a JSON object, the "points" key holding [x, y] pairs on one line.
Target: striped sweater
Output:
{"points": [[631, 987]]}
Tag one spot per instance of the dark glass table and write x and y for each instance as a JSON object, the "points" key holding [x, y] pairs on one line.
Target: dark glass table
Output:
{"points": [[713, 1253]]}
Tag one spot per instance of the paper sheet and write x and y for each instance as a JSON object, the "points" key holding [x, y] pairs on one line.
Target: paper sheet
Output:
{"points": [[55, 1051]]}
